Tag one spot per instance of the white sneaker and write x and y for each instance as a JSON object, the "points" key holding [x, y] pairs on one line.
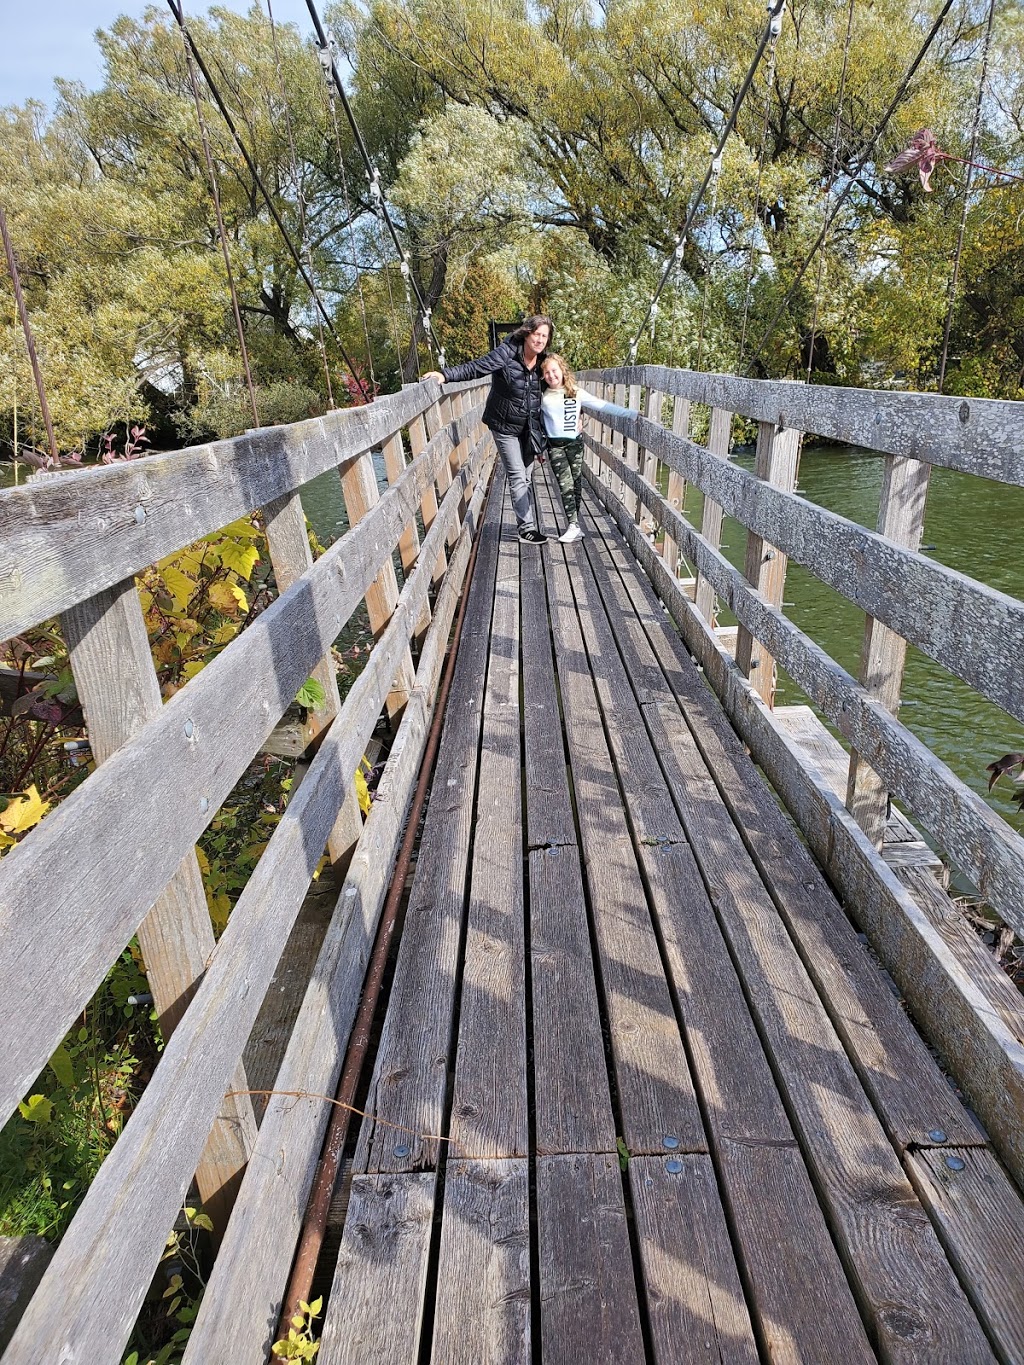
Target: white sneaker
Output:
{"points": [[571, 533]]}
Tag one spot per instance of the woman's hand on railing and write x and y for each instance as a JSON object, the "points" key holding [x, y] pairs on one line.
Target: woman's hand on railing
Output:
{"points": [[435, 374]]}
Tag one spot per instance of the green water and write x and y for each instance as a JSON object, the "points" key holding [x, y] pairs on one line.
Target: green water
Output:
{"points": [[971, 524]]}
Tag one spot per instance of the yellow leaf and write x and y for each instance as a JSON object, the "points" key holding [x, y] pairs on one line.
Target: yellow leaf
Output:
{"points": [[362, 792], [24, 812], [242, 528], [242, 558], [179, 585], [240, 597], [223, 597], [203, 861], [192, 668]]}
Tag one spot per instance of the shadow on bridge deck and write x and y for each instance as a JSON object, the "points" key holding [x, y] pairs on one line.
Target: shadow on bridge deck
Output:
{"points": [[641, 1092]]}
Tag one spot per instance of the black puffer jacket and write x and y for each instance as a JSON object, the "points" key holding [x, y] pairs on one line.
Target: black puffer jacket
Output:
{"points": [[513, 405]]}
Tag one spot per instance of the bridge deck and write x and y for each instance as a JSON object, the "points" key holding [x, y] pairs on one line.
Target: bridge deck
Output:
{"points": [[642, 1093]]}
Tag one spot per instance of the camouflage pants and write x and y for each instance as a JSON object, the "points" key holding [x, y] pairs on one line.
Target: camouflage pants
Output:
{"points": [[567, 461]]}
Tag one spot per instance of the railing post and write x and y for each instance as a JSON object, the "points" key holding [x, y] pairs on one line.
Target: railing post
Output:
{"points": [[621, 448], [776, 460], [631, 399], [291, 556], [418, 440], [359, 485], [117, 685], [884, 653], [409, 541], [711, 522], [652, 411], [676, 482]]}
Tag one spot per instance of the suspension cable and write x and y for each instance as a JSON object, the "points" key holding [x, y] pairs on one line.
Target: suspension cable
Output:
{"points": [[177, 9], [955, 277], [841, 198], [833, 176], [330, 96], [221, 233], [707, 273], [757, 202], [772, 30], [300, 197], [376, 189]]}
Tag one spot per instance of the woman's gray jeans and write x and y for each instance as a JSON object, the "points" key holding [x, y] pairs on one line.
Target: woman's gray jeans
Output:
{"points": [[519, 475]]}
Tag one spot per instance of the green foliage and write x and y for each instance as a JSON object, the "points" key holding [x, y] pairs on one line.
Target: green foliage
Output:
{"points": [[53, 1145], [299, 1343]]}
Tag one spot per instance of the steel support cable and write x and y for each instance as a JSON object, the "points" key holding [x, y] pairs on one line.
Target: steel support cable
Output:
{"points": [[757, 204], [221, 233], [772, 30], [833, 176], [300, 197], [351, 220], [847, 189], [707, 278], [376, 192], [955, 277], [177, 9]]}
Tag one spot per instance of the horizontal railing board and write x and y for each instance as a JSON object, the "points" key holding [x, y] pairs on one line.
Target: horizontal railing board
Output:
{"points": [[167, 785], [247, 1283], [982, 436], [86, 1305], [982, 844], [67, 538], [951, 1007], [952, 618]]}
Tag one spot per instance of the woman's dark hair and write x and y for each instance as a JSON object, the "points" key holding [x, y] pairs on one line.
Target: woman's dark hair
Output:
{"points": [[529, 325]]}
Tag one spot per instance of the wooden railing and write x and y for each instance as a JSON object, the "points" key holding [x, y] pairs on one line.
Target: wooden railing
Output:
{"points": [[118, 855], [953, 986]]}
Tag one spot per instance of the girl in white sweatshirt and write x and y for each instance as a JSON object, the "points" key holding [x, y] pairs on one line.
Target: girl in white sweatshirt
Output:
{"points": [[560, 407]]}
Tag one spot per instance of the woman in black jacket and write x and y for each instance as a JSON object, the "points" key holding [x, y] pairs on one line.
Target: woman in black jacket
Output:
{"points": [[513, 409]]}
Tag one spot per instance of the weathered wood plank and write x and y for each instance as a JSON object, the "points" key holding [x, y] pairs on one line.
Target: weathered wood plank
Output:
{"points": [[117, 683], [652, 1076], [482, 1309], [981, 1222], [375, 1310], [63, 541], [549, 819], [694, 1295], [775, 461], [571, 1097], [291, 556], [489, 1107], [676, 491], [883, 653], [588, 1295], [409, 1078], [170, 779], [948, 615], [120, 1229], [719, 442], [359, 486], [976, 837], [979, 436], [951, 1008], [246, 1285]]}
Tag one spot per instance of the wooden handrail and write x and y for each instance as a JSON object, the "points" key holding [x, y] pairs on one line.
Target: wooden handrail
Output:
{"points": [[982, 436], [169, 781]]}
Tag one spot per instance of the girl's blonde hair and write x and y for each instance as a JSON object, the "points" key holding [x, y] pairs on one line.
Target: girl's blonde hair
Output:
{"points": [[568, 378]]}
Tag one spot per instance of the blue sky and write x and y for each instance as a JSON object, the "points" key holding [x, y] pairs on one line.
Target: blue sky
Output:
{"points": [[40, 40]]}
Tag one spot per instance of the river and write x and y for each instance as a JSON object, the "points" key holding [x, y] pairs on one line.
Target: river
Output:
{"points": [[971, 525]]}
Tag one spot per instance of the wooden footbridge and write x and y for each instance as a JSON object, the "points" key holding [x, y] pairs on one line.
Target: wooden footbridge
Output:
{"points": [[683, 1053]]}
